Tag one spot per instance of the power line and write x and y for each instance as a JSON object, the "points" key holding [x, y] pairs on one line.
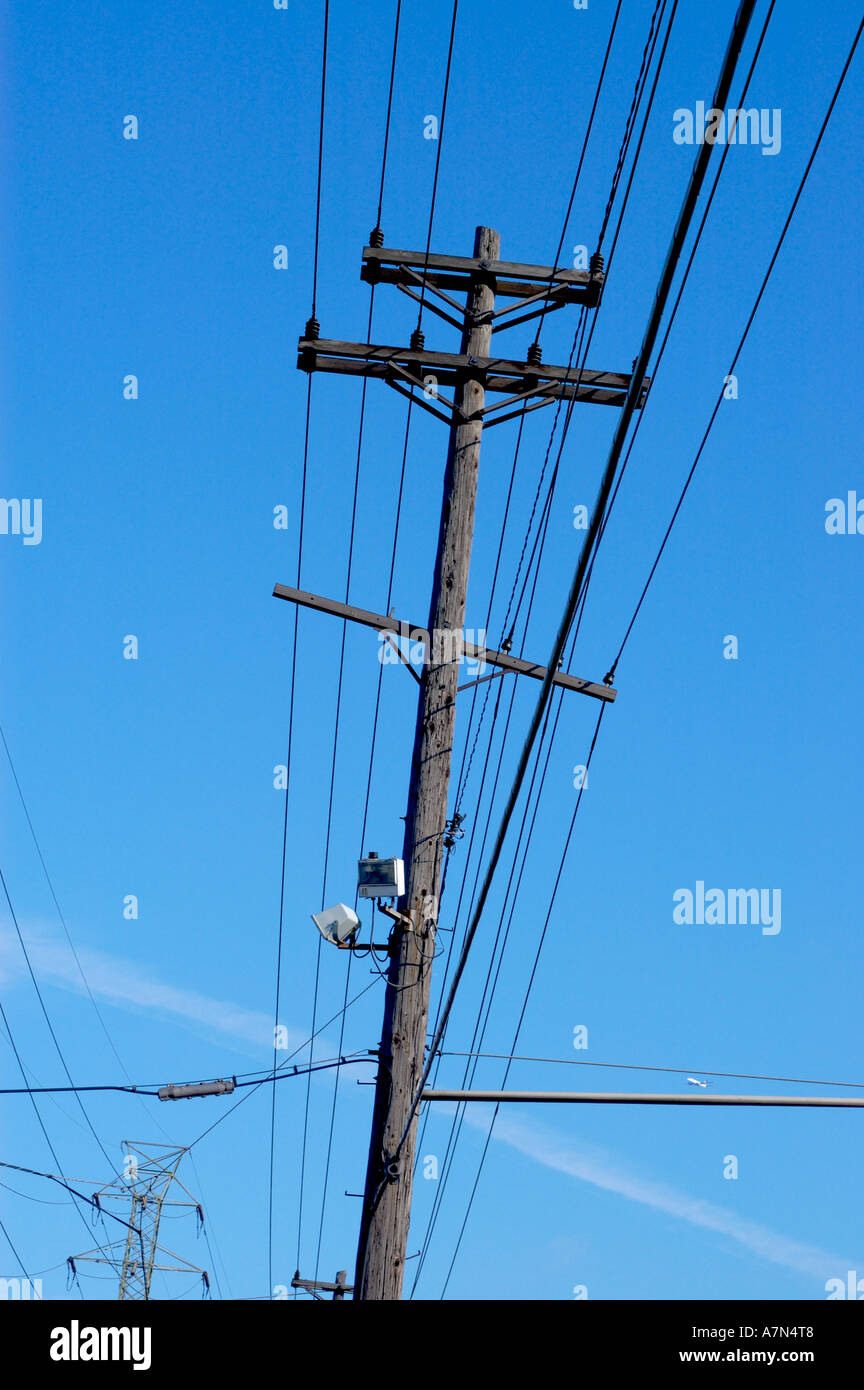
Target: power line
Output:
{"points": [[615, 240], [320, 157], [743, 338], [581, 352], [580, 162], [311, 326], [36, 1109], [528, 988], [456, 1127], [11, 1245], [578, 337], [576, 350], [389, 111], [479, 1033], [512, 1056], [48, 880], [645, 66], [285, 816], [458, 1119], [584, 345], [640, 81], [673, 315], [257, 1079], [636, 382], [37, 1273], [464, 772], [40, 1201], [376, 234], [377, 237], [634, 1066], [283, 1064], [53, 1177], [580, 347], [66, 931], [205, 1229], [440, 144], [46, 1016]]}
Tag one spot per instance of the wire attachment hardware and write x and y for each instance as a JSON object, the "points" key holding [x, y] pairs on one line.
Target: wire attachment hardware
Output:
{"points": [[453, 831]]}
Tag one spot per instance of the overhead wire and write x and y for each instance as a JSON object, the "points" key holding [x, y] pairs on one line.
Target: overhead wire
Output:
{"points": [[41, 1201], [584, 338], [577, 349], [411, 402], [456, 1123], [716, 408], [47, 1017], [205, 1227], [466, 770], [320, 157], [742, 339], [262, 1081], [440, 144], [641, 1066], [36, 1110], [14, 1250], [75, 955], [389, 112], [376, 233], [637, 379], [312, 327], [53, 893], [577, 340], [639, 88], [647, 55], [528, 989], [82, 1197], [690, 261], [575, 184], [672, 317], [498, 951], [459, 1116], [487, 997]]}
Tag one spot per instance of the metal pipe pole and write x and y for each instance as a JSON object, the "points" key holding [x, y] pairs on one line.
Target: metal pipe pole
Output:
{"points": [[635, 1098]]}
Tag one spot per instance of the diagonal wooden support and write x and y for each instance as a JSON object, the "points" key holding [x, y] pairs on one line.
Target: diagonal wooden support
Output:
{"points": [[405, 662]]}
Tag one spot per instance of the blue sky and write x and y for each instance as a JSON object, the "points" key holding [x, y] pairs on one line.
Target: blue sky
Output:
{"points": [[154, 777]]}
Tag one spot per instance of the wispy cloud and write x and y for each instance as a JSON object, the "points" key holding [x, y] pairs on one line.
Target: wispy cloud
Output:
{"points": [[557, 1151], [131, 986]]}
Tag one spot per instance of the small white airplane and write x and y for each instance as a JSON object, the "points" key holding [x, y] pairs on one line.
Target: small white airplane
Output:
{"points": [[693, 1082]]}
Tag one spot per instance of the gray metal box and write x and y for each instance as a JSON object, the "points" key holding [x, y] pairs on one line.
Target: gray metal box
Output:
{"points": [[380, 878]]}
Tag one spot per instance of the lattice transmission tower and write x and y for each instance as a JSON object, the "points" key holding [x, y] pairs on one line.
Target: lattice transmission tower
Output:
{"points": [[149, 1176]]}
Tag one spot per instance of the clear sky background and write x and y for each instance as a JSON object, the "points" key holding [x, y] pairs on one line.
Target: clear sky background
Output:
{"points": [[155, 777]]}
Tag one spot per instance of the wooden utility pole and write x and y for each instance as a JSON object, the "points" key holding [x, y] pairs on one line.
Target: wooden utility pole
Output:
{"points": [[387, 1198], [473, 375]]}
